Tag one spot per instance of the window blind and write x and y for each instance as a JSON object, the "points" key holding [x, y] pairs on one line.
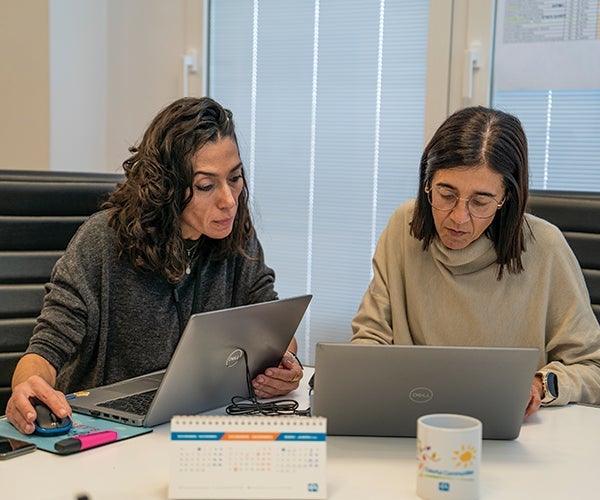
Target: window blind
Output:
{"points": [[328, 99], [563, 134]]}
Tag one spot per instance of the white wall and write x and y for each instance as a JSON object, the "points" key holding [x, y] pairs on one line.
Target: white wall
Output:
{"points": [[114, 65], [78, 85], [24, 85], [81, 80], [146, 44]]}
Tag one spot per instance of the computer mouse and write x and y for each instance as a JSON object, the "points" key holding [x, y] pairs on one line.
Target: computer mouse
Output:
{"points": [[47, 423]]}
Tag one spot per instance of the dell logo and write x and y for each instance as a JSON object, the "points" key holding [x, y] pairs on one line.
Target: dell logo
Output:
{"points": [[420, 395], [234, 357]]}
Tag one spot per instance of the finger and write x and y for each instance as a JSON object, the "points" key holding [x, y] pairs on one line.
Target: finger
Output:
{"points": [[265, 387], [537, 404], [21, 418], [21, 424], [284, 374], [276, 382], [531, 409], [268, 387], [528, 410], [534, 403], [529, 404], [275, 389], [291, 362], [55, 400], [266, 393]]}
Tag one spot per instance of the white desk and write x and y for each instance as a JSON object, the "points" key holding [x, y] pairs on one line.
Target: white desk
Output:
{"points": [[556, 457]]}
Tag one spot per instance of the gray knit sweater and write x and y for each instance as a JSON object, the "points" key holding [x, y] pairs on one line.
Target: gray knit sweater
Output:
{"points": [[104, 321]]}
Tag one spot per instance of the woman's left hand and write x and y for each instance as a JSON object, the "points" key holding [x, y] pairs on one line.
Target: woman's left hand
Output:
{"points": [[279, 381], [535, 398]]}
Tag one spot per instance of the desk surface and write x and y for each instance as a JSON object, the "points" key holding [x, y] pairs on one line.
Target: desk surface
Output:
{"points": [[555, 457]]}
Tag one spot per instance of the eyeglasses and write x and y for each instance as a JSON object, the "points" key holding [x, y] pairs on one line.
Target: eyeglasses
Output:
{"points": [[444, 199]]}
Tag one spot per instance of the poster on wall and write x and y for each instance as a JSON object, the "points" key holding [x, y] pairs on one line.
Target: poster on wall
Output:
{"points": [[542, 44]]}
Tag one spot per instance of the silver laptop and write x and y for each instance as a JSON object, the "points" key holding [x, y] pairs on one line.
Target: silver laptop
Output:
{"points": [[375, 390], [208, 366]]}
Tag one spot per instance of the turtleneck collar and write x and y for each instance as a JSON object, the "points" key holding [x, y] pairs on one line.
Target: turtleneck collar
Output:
{"points": [[475, 257]]}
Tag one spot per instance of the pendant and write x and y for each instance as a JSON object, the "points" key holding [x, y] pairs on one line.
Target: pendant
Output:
{"points": [[188, 270]]}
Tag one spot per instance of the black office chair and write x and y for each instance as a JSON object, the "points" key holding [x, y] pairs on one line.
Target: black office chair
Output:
{"points": [[39, 213], [577, 215]]}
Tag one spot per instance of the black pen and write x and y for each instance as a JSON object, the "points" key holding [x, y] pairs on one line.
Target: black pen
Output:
{"points": [[85, 441]]}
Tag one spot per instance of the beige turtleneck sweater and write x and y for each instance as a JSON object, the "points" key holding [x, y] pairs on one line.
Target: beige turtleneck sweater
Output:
{"points": [[452, 297]]}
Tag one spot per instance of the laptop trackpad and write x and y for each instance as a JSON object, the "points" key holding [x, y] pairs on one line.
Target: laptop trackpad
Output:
{"points": [[135, 386]]}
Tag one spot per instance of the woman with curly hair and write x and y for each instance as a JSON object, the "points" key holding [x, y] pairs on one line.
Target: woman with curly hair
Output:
{"points": [[175, 238]]}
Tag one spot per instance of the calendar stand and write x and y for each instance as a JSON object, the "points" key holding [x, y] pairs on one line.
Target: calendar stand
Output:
{"points": [[252, 457]]}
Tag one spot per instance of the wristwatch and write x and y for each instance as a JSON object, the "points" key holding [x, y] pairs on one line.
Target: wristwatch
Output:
{"points": [[549, 386]]}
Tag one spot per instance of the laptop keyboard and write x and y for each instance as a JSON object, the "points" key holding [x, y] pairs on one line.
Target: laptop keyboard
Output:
{"points": [[135, 403]]}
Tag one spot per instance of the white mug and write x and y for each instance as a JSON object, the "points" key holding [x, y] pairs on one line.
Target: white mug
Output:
{"points": [[448, 456]]}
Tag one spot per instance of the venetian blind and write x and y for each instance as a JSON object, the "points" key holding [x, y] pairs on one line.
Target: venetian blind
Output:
{"points": [[328, 98]]}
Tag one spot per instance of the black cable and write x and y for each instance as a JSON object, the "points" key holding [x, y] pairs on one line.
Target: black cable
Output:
{"points": [[251, 406], [179, 312]]}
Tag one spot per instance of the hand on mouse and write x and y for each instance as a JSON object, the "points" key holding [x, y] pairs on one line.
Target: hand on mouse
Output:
{"points": [[47, 423], [20, 410]]}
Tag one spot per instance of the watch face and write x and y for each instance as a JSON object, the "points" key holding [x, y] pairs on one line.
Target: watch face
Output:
{"points": [[552, 384]]}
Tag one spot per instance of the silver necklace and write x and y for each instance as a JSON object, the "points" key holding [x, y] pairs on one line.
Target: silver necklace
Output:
{"points": [[191, 252]]}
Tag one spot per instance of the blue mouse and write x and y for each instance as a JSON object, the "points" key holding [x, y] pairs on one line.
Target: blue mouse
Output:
{"points": [[47, 423]]}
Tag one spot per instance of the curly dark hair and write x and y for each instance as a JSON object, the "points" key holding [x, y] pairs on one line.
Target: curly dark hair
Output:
{"points": [[145, 209], [472, 137]]}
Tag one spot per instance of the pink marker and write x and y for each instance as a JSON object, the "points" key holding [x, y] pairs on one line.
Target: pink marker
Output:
{"points": [[85, 441]]}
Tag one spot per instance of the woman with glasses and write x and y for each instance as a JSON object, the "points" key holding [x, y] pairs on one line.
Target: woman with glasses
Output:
{"points": [[463, 264]]}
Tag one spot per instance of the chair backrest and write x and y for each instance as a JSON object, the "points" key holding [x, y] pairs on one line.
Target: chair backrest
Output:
{"points": [[39, 213], [577, 215]]}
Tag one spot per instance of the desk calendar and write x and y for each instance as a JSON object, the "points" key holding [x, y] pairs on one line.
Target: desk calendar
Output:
{"points": [[250, 457]]}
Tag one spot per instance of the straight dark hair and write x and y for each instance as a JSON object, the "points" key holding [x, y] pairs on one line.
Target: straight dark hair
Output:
{"points": [[145, 209], [473, 137]]}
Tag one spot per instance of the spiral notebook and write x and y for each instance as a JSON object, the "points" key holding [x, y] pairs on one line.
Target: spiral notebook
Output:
{"points": [[248, 457]]}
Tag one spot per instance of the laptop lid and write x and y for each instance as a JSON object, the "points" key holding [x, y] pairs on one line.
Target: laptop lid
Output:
{"points": [[375, 390], [208, 367]]}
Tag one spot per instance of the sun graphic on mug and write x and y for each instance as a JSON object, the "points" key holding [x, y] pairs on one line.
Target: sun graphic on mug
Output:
{"points": [[465, 456]]}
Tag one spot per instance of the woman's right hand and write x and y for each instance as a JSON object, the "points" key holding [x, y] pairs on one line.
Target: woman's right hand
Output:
{"points": [[19, 409]]}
